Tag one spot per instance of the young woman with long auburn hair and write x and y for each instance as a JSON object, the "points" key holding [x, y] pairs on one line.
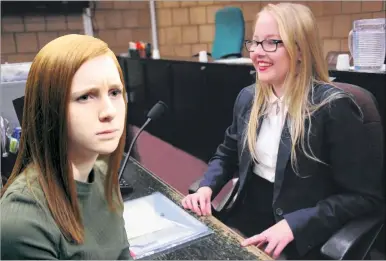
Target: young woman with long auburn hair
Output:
{"points": [[62, 201]]}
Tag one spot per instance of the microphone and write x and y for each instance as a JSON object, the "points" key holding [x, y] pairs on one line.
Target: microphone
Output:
{"points": [[155, 112]]}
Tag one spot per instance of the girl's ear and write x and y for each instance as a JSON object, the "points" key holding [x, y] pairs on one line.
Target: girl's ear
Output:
{"points": [[298, 54], [299, 58]]}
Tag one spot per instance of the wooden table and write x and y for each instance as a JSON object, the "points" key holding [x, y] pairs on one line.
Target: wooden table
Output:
{"points": [[223, 244]]}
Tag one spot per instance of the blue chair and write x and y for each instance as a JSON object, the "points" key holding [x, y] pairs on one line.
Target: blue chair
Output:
{"points": [[229, 33]]}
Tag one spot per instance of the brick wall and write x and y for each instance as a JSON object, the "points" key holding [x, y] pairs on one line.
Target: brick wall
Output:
{"points": [[22, 37], [184, 28], [117, 23]]}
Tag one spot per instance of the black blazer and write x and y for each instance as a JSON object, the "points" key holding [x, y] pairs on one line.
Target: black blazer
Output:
{"points": [[316, 206]]}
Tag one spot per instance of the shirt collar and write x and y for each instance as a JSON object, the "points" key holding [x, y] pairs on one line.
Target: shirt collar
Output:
{"points": [[274, 99], [276, 104]]}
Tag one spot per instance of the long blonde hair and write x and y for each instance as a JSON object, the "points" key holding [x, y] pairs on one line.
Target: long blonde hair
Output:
{"points": [[43, 142], [299, 33]]}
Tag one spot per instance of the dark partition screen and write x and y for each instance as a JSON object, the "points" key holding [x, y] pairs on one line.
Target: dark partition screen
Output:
{"points": [[159, 87], [190, 103]]}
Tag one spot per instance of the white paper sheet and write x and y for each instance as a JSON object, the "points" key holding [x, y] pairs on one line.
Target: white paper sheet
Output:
{"points": [[154, 223], [141, 219]]}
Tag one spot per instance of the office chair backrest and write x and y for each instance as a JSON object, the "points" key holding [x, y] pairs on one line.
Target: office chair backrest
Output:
{"points": [[364, 99], [371, 119], [373, 123], [229, 33]]}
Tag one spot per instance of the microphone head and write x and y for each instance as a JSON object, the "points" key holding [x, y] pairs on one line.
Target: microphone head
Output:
{"points": [[157, 110]]}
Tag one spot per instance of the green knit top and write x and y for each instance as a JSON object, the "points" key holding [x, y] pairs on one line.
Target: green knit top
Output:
{"points": [[28, 230]]}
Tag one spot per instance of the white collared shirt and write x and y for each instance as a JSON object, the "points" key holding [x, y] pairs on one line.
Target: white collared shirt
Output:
{"points": [[268, 140]]}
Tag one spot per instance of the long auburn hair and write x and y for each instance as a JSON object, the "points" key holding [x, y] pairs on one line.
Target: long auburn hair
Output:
{"points": [[43, 143], [299, 32]]}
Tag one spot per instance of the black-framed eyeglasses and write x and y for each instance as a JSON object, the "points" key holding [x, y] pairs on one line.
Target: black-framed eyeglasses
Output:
{"points": [[268, 45]]}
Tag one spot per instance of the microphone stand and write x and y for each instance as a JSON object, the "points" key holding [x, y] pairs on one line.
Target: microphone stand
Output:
{"points": [[154, 113], [131, 148]]}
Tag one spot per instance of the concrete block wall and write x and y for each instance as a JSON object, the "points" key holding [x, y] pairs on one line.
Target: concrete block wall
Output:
{"points": [[115, 22], [184, 27]]}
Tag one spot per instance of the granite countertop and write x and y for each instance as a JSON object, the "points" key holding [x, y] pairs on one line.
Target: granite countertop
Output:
{"points": [[223, 244]]}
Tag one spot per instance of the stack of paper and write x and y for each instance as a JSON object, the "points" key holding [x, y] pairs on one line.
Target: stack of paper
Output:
{"points": [[154, 223]]}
